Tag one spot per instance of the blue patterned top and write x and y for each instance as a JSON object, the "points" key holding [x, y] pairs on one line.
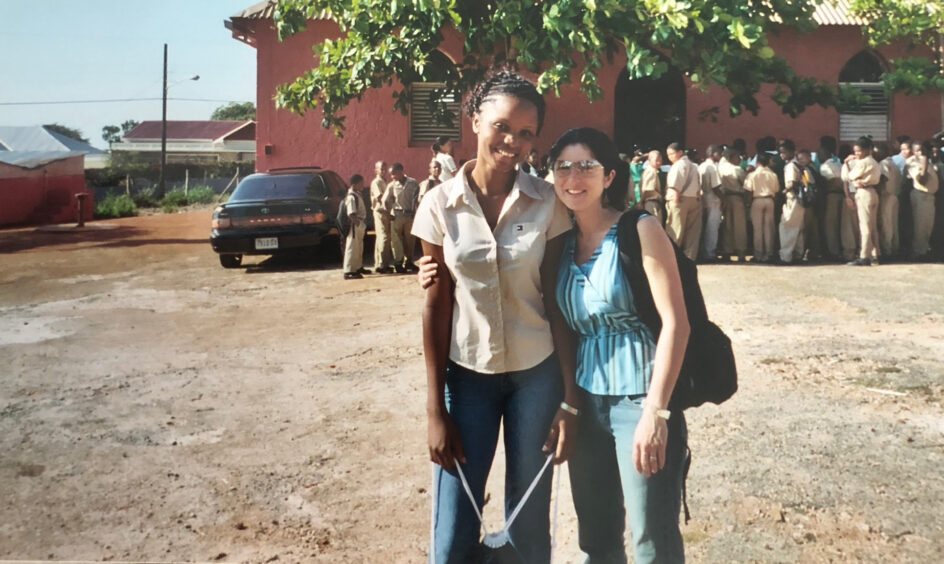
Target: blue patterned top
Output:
{"points": [[616, 350]]}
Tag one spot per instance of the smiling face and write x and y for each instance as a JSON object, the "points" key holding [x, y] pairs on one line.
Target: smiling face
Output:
{"points": [[505, 127], [581, 191]]}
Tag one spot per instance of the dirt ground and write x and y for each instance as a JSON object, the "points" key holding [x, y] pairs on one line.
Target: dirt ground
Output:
{"points": [[156, 407]]}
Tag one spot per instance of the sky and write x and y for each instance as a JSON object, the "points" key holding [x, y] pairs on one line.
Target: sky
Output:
{"points": [[70, 50]]}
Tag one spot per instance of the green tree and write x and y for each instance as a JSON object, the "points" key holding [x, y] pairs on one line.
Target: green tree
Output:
{"points": [[65, 130], [235, 111], [713, 42], [917, 24], [113, 133]]}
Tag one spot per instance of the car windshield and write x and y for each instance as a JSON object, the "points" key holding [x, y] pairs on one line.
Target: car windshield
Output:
{"points": [[281, 187]]}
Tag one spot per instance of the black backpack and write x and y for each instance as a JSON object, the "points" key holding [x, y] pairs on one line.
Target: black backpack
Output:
{"points": [[709, 372], [807, 194], [343, 219]]}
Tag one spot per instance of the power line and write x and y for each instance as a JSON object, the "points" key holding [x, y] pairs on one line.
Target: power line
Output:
{"points": [[111, 101]]}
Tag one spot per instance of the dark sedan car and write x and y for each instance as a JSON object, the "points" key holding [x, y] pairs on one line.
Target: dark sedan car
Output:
{"points": [[277, 211]]}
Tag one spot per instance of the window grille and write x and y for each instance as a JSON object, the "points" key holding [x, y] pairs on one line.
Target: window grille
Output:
{"points": [[423, 127]]}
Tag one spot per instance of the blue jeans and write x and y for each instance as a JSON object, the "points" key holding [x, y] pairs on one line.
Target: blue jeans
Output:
{"points": [[606, 486], [526, 401]]}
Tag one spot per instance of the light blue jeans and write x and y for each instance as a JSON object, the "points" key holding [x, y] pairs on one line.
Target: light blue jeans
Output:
{"points": [[526, 401], [606, 486]]}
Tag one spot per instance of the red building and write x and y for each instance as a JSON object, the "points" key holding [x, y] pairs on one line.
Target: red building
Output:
{"points": [[648, 113], [39, 188]]}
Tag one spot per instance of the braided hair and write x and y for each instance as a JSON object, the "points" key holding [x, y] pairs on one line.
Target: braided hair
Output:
{"points": [[507, 83]]}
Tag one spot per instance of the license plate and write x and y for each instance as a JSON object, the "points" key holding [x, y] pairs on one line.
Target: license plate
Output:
{"points": [[266, 243]]}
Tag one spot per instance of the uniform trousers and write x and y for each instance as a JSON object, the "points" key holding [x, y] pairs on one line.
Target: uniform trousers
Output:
{"points": [[711, 219], [888, 224], [401, 240], [735, 225], [655, 209], [791, 229], [762, 216], [382, 255], [922, 212], [683, 224], [831, 221], [354, 248], [849, 231], [866, 200]]}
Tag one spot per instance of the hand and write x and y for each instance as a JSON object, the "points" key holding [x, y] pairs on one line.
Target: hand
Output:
{"points": [[850, 203], [445, 446], [640, 206], [561, 438], [652, 435], [849, 159], [427, 271]]}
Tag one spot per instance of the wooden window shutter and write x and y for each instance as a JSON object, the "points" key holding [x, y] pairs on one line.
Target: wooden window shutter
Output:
{"points": [[423, 128], [870, 120]]}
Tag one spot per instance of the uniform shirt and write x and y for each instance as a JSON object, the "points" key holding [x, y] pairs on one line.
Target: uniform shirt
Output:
{"points": [[355, 205], [651, 186], [709, 179], [426, 186], [791, 175], [400, 197], [762, 182], [865, 170], [732, 178], [378, 187], [899, 161], [931, 184], [831, 171], [892, 177], [683, 176], [616, 350], [498, 319], [447, 164]]}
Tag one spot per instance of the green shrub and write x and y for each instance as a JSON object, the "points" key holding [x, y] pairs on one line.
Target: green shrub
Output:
{"points": [[169, 208], [115, 206], [144, 198], [174, 198], [201, 195]]}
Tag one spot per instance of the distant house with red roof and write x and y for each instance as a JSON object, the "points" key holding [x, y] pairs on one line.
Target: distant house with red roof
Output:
{"points": [[193, 142]]}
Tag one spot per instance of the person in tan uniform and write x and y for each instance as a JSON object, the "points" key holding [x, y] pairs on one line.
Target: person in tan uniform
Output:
{"points": [[830, 170], [861, 172], [889, 188], [400, 198], [793, 213], [354, 241], [383, 255], [683, 202], [435, 172], [762, 185], [734, 227], [711, 201], [651, 190], [923, 174]]}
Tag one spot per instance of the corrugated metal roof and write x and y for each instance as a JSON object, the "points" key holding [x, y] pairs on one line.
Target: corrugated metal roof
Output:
{"points": [[836, 12], [190, 130], [38, 138], [259, 11], [833, 12], [35, 159]]}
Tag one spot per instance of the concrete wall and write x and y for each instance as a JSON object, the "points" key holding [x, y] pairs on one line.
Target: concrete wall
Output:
{"points": [[375, 131], [43, 195]]}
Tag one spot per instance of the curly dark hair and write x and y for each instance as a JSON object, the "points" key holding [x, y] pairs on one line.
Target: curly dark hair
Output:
{"points": [[508, 83]]}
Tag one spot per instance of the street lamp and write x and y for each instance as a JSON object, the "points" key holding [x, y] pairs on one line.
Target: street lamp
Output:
{"points": [[161, 183]]}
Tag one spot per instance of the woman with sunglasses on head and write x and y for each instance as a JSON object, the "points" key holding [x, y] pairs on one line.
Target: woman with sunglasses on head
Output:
{"points": [[630, 449], [491, 327]]}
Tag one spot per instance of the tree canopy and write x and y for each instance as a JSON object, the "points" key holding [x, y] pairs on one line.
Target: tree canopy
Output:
{"points": [[712, 42], [65, 130], [917, 24], [234, 111], [113, 133]]}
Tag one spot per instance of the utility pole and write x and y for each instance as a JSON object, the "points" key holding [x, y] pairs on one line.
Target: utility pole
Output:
{"points": [[161, 183]]}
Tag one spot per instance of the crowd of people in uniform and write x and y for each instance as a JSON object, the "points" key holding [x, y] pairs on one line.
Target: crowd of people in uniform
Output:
{"points": [[857, 204]]}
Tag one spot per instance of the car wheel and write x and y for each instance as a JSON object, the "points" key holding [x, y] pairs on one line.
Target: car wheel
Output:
{"points": [[231, 261]]}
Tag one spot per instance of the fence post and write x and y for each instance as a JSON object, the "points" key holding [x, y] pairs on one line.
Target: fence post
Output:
{"points": [[186, 181]]}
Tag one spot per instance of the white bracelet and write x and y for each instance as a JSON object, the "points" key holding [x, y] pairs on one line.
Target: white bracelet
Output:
{"points": [[569, 408], [662, 413]]}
